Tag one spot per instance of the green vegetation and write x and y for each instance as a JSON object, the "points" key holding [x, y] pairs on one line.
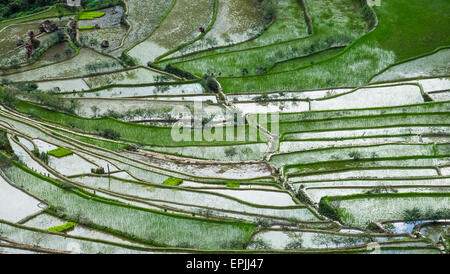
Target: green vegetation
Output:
{"points": [[52, 12], [328, 210], [4, 142], [173, 182], [110, 128], [415, 214], [62, 228], [399, 36], [89, 15], [17, 8], [86, 28], [127, 221], [41, 155], [233, 184], [60, 152], [287, 38], [296, 243], [93, 141], [346, 154]]}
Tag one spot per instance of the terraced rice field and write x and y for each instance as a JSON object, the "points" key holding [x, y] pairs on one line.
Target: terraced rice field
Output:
{"points": [[274, 126]]}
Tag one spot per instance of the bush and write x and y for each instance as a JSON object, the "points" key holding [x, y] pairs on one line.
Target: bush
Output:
{"points": [[270, 10], [8, 98], [230, 152], [328, 210], [42, 156], [110, 134], [355, 155], [260, 244], [178, 72], [236, 244], [211, 83], [4, 142], [412, 215], [36, 43], [262, 222], [415, 214], [127, 60], [99, 170], [296, 243], [66, 185]]}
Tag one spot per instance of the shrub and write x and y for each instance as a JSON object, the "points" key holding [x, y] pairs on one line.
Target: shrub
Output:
{"points": [[389, 227], [270, 10], [412, 215], [296, 243], [66, 185], [110, 134], [99, 170], [235, 244], [211, 83], [127, 60], [178, 72], [355, 155], [36, 43], [4, 142], [262, 222], [328, 210], [42, 156], [8, 98], [230, 152], [260, 244]]}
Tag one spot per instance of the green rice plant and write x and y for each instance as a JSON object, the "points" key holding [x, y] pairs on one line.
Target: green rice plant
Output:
{"points": [[86, 28], [89, 15], [233, 184], [60, 152], [287, 38], [366, 56], [62, 228], [110, 145], [182, 26], [138, 224], [173, 181], [365, 208], [135, 133]]}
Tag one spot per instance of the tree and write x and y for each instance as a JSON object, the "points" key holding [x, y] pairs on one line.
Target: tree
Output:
{"points": [[412, 215]]}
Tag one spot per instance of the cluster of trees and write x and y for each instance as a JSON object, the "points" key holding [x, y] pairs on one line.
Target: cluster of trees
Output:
{"points": [[96, 4], [16, 8], [415, 214], [270, 9]]}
